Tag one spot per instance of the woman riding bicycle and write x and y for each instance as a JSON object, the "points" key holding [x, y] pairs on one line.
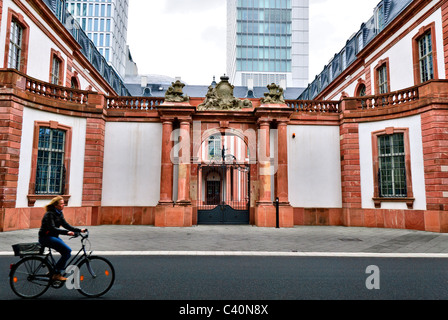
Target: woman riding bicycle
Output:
{"points": [[49, 234]]}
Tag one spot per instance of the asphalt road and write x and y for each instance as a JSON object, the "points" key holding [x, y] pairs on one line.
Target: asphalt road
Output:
{"points": [[264, 278]]}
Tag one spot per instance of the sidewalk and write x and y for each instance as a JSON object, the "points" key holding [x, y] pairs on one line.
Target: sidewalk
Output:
{"points": [[250, 240]]}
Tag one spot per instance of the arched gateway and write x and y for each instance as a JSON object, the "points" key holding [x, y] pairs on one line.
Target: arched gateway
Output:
{"points": [[223, 179], [220, 151]]}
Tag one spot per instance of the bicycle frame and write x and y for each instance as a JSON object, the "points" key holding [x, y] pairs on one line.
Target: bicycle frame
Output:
{"points": [[74, 260]]}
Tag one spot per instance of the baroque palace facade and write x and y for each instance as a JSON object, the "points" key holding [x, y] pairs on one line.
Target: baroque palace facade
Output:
{"points": [[365, 145]]}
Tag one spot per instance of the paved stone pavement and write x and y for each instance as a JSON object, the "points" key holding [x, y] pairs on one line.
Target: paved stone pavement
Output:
{"points": [[299, 240]]}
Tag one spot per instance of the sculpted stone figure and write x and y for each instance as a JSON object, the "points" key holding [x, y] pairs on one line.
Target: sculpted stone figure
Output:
{"points": [[274, 96], [221, 98], [175, 93]]}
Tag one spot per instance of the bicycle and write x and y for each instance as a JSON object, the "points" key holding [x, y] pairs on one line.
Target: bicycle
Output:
{"points": [[32, 276]]}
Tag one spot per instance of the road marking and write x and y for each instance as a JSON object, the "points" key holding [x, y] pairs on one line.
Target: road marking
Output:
{"points": [[265, 254]]}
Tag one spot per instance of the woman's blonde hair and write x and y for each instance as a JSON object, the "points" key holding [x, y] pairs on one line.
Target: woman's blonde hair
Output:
{"points": [[53, 201]]}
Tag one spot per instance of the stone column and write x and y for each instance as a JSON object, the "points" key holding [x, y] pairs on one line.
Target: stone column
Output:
{"points": [[169, 213], [166, 179], [264, 210], [264, 163], [282, 171], [183, 186]]}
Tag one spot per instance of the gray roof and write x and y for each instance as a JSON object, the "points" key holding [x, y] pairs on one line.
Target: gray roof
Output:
{"points": [[197, 91], [368, 31]]}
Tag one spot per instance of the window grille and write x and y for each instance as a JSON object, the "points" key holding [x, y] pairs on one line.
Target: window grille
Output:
{"points": [[382, 79], [426, 58], [50, 173], [392, 166], [15, 46], [55, 71]]}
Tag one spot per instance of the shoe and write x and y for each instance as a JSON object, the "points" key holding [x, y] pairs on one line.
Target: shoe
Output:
{"points": [[58, 277]]}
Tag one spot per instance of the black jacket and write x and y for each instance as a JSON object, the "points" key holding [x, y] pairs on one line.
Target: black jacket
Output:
{"points": [[52, 221]]}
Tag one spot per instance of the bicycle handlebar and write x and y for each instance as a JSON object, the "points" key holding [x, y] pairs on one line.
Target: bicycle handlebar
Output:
{"points": [[80, 234]]}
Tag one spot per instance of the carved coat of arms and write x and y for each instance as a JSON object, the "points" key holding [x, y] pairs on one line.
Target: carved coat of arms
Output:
{"points": [[221, 98]]}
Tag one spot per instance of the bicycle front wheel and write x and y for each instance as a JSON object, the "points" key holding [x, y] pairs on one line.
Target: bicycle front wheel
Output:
{"points": [[96, 276], [30, 277]]}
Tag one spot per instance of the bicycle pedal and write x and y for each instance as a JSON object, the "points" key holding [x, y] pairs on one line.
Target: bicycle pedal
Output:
{"points": [[57, 284]]}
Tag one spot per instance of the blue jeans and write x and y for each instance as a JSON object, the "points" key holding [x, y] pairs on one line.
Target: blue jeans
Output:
{"points": [[60, 246]]}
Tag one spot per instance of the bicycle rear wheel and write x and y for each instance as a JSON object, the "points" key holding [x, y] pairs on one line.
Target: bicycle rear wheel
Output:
{"points": [[30, 277], [96, 276]]}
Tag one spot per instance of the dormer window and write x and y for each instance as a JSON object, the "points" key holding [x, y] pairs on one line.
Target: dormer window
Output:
{"points": [[379, 15], [330, 72], [60, 10], [360, 42]]}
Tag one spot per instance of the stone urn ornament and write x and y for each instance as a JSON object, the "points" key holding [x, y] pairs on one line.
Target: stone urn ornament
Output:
{"points": [[274, 95], [175, 93]]}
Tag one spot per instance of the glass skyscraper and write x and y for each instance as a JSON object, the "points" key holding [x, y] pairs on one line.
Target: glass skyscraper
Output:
{"points": [[267, 42], [106, 24]]}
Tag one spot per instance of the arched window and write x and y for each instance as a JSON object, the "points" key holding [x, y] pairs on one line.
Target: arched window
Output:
{"points": [[74, 83], [361, 90]]}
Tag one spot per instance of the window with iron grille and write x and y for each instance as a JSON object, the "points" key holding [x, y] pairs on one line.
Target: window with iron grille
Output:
{"points": [[392, 166], [426, 57], [15, 45], [50, 174]]}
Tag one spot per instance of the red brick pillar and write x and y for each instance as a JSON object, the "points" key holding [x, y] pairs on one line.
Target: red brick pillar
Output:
{"points": [[435, 155], [445, 35], [93, 162], [350, 170], [94, 157], [11, 117]]}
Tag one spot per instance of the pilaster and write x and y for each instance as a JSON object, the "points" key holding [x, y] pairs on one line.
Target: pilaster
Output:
{"points": [[180, 213], [11, 118], [274, 115]]}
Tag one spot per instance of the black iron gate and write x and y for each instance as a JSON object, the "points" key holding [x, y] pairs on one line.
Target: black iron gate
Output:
{"points": [[223, 194]]}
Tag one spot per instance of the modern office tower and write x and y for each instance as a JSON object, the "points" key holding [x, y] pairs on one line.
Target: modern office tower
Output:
{"points": [[267, 42], [106, 24]]}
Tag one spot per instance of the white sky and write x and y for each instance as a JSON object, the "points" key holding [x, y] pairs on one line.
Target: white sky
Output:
{"points": [[187, 38]]}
